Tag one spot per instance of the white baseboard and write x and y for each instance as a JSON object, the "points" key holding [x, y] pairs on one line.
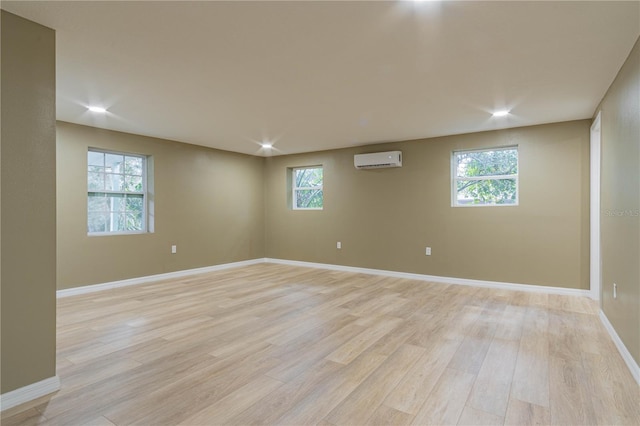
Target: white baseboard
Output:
{"points": [[626, 355], [29, 392], [432, 278], [152, 278], [437, 279]]}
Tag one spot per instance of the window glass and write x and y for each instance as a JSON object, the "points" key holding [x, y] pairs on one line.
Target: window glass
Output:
{"points": [[116, 192], [307, 188], [487, 177]]}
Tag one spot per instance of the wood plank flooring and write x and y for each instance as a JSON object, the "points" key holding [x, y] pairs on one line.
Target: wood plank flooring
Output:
{"points": [[273, 344]]}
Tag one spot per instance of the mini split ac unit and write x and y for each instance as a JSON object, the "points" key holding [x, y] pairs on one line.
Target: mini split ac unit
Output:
{"points": [[378, 160]]}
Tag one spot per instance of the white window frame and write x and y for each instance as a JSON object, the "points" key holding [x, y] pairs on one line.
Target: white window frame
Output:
{"points": [[455, 178], [144, 193], [295, 188]]}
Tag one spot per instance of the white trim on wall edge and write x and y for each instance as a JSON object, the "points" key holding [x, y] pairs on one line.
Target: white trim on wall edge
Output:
{"points": [[153, 278], [626, 355], [437, 279], [432, 278], [29, 392]]}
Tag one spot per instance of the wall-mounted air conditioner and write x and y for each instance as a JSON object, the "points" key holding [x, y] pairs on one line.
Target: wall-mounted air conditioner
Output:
{"points": [[378, 160]]}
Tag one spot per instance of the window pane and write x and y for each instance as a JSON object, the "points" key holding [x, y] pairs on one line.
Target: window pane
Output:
{"points": [[97, 203], [491, 191], [487, 163], [117, 222], [308, 177], [133, 166], [114, 163], [308, 198], [134, 203], [95, 181], [97, 222], [114, 182], [116, 202], [133, 183], [133, 221], [95, 159]]}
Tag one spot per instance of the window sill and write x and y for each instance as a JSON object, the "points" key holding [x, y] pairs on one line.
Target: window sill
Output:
{"points": [[109, 234]]}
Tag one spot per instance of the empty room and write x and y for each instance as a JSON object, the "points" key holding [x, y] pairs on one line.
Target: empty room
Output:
{"points": [[320, 213]]}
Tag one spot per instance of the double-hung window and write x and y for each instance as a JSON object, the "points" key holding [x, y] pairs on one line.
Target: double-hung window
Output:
{"points": [[116, 192], [307, 188], [485, 177]]}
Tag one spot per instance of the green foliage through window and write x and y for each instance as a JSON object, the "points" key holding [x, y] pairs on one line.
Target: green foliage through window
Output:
{"points": [[307, 188], [116, 192], [485, 177]]}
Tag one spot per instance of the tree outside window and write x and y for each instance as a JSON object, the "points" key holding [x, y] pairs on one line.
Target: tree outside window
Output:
{"points": [[307, 188], [116, 196], [487, 177]]}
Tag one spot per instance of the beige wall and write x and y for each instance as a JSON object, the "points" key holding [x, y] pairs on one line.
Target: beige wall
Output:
{"points": [[620, 202], [385, 218], [28, 200], [207, 202]]}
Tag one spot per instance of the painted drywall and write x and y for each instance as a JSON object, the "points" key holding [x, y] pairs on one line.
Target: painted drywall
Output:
{"points": [[385, 218], [207, 202], [28, 203], [620, 202]]}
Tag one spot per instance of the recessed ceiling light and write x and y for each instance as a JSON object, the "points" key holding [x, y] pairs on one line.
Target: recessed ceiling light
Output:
{"points": [[266, 145], [96, 109], [501, 113]]}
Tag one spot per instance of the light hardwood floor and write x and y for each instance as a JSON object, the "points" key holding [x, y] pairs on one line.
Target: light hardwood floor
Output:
{"points": [[272, 344]]}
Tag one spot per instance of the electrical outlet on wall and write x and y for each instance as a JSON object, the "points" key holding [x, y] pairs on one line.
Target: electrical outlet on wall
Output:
{"points": [[339, 245], [174, 249], [615, 290], [427, 252]]}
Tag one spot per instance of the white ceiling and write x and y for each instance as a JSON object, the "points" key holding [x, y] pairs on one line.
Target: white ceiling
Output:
{"points": [[311, 76]]}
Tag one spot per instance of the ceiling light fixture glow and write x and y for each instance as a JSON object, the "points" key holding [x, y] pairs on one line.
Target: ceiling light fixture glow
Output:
{"points": [[501, 113], [267, 145], [97, 109]]}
